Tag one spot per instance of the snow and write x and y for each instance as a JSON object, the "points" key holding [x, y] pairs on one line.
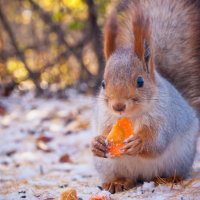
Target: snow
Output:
{"points": [[148, 186], [27, 171]]}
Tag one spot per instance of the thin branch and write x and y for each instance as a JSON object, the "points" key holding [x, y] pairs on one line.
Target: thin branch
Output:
{"points": [[20, 54], [63, 55], [5, 55], [96, 36]]}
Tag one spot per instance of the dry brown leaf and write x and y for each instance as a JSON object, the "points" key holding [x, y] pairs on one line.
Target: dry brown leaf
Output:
{"points": [[42, 146], [44, 139], [41, 143], [65, 158]]}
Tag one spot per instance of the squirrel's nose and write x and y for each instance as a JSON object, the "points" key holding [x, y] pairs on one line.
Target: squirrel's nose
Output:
{"points": [[119, 107]]}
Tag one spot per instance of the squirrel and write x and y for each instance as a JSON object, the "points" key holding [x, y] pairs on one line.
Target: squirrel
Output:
{"points": [[141, 44]]}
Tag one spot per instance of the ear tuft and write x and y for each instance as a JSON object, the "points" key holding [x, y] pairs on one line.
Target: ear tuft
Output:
{"points": [[112, 28], [142, 39], [110, 35], [141, 31], [138, 36]]}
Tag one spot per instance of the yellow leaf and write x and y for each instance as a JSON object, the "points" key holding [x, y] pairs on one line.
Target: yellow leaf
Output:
{"points": [[74, 4], [17, 69]]}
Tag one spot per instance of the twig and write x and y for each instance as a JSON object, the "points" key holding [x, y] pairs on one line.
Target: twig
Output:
{"points": [[96, 37], [20, 54]]}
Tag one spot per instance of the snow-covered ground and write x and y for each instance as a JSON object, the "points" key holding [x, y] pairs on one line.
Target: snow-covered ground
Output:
{"points": [[44, 148]]}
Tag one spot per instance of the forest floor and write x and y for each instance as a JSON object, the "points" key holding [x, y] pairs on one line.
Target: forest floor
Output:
{"points": [[45, 148]]}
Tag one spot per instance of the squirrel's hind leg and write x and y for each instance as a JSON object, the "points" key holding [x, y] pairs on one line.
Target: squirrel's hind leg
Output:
{"points": [[113, 175], [118, 185]]}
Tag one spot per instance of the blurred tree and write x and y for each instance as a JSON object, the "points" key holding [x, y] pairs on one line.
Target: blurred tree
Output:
{"points": [[52, 43]]}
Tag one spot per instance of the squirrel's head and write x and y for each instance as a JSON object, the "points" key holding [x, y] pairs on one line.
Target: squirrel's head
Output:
{"points": [[129, 78], [128, 85]]}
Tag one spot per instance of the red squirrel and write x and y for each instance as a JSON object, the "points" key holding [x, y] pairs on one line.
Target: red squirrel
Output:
{"points": [[151, 65]]}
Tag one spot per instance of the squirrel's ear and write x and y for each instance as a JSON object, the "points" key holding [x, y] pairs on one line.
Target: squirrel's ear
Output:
{"points": [[142, 40], [110, 35], [138, 31]]}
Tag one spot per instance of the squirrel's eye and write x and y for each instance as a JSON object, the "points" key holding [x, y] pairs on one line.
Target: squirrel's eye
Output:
{"points": [[140, 82], [103, 84]]}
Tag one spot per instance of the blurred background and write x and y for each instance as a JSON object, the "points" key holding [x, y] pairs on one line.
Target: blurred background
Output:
{"points": [[51, 45], [51, 64]]}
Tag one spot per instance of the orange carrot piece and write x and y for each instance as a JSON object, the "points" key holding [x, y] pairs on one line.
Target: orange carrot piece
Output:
{"points": [[116, 135], [121, 131]]}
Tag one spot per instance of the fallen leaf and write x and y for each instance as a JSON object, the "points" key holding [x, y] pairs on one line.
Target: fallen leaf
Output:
{"points": [[65, 158], [44, 139], [41, 143], [44, 147]]}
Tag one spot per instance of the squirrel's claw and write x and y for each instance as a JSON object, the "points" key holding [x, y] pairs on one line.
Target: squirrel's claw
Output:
{"points": [[133, 146], [99, 147]]}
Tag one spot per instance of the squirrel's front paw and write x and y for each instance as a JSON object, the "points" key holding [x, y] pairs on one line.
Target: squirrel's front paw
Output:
{"points": [[133, 146], [99, 147]]}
